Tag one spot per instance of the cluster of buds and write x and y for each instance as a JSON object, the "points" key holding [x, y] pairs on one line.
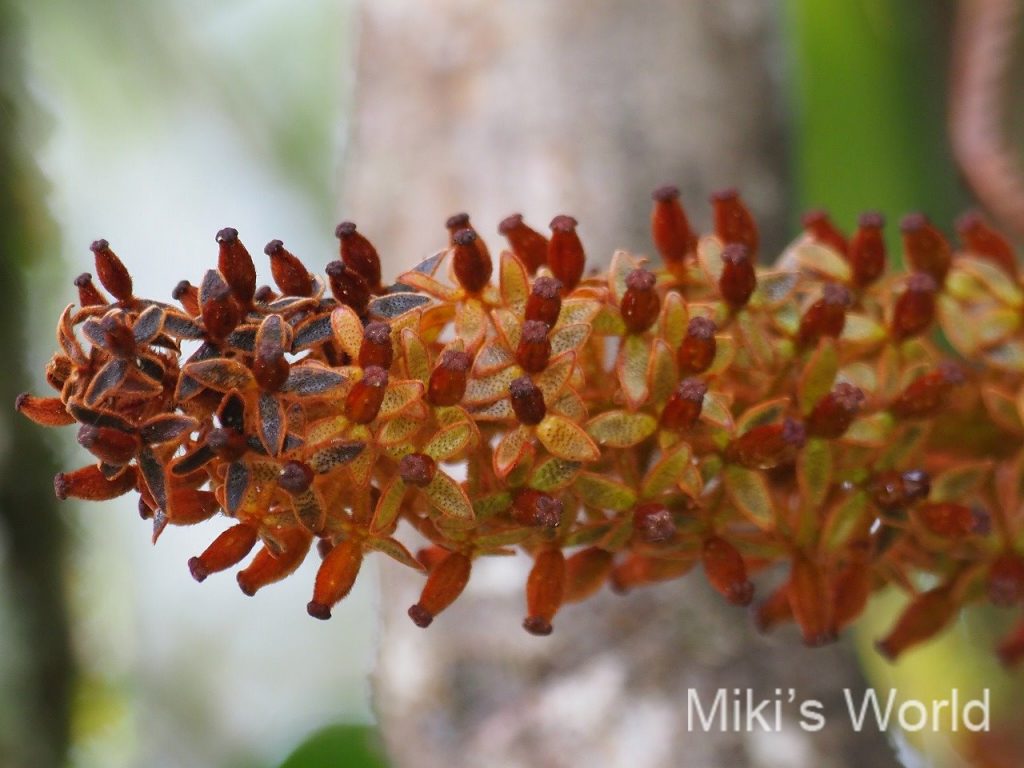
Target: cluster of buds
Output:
{"points": [[620, 428]]}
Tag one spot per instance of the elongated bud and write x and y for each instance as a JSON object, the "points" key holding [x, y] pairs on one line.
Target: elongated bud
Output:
{"points": [[850, 592], [738, 279], [943, 518], [188, 295], [113, 274], [653, 522], [1006, 579], [867, 251], [472, 265], [376, 348], [296, 477], [269, 567], [893, 491], [58, 370], [926, 394], [447, 382], [335, 578], [768, 445], [810, 599], [417, 469], [683, 407], [640, 570], [445, 583], [364, 399], [585, 572], [983, 241], [91, 484], [545, 590], [290, 274], [673, 238], [726, 571], [188, 506], [924, 617], [698, 348], [119, 339], [529, 246], [88, 294], [826, 317], [733, 222], [534, 350], [527, 401], [1011, 648], [227, 550], [235, 263], [47, 411], [536, 508], [819, 226], [227, 444], [270, 367], [108, 444], [915, 307], [219, 311], [833, 414], [774, 610], [358, 254], [348, 287], [925, 248], [565, 252], [640, 303], [545, 301]]}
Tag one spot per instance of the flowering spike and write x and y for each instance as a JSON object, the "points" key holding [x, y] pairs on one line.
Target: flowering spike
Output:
{"points": [[698, 348], [684, 405], [726, 571], [447, 383], [290, 275], [833, 414], [733, 222], [640, 303], [867, 250], [915, 307], [529, 246], [348, 286], [527, 401], [111, 271], [358, 254], [188, 295], [88, 294], [980, 239], [670, 229], [545, 301], [738, 280], [445, 583], [235, 264], [565, 252], [376, 348], [534, 348], [545, 589], [471, 263], [335, 578], [819, 226], [227, 550], [925, 248], [365, 398]]}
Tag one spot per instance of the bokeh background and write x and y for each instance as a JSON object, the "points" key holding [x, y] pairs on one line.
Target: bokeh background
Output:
{"points": [[156, 123]]}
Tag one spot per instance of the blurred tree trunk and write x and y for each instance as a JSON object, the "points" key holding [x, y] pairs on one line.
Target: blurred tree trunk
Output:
{"points": [[34, 701], [582, 107]]}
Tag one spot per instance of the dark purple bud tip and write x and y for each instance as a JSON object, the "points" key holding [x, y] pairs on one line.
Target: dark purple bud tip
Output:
{"points": [[344, 229], [814, 216], [536, 625], [522, 387], [377, 333], [183, 287], [922, 282], [871, 220], [420, 616], [793, 433], [534, 331], [563, 223], [847, 396], [666, 193], [83, 280], [692, 389], [701, 327], [969, 221], [198, 570], [837, 295], [457, 221], [640, 280], [324, 547], [318, 610], [295, 477], [61, 486], [88, 435], [464, 237], [20, 400], [547, 287], [455, 360], [548, 512], [99, 245], [335, 268], [247, 588], [264, 295], [509, 223], [729, 193], [274, 246], [227, 235], [735, 253], [952, 372], [375, 376], [912, 222], [417, 469]]}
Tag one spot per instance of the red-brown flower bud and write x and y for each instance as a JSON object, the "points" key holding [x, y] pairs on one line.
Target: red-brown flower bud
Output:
{"points": [[430, 557], [91, 484], [529, 246], [819, 226], [235, 263], [445, 583], [826, 317], [640, 570], [113, 274], [738, 279], [296, 477], [527, 401], [227, 444], [447, 382], [810, 598], [358, 254], [670, 229], [269, 567], [925, 616], [684, 405], [926, 394], [833, 414], [348, 286], [545, 301], [364, 399], [640, 303], [534, 350], [108, 444], [46, 411], [536, 508], [472, 265], [985, 242], [219, 310], [335, 578], [894, 491], [768, 445], [850, 593], [376, 348], [545, 590], [118, 337], [417, 469], [925, 248], [915, 307], [565, 252], [270, 367], [946, 519], [867, 250], [1006, 579], [264, 295], [88, 294], [698, 348], [726, 571], [188, 295], [585, 572], [733, 222], [290, 274], [188, 506], [653, 522], [227, 550]]}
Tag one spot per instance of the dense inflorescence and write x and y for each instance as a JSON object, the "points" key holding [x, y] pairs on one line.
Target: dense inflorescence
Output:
{"points": [[621, 428]]}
